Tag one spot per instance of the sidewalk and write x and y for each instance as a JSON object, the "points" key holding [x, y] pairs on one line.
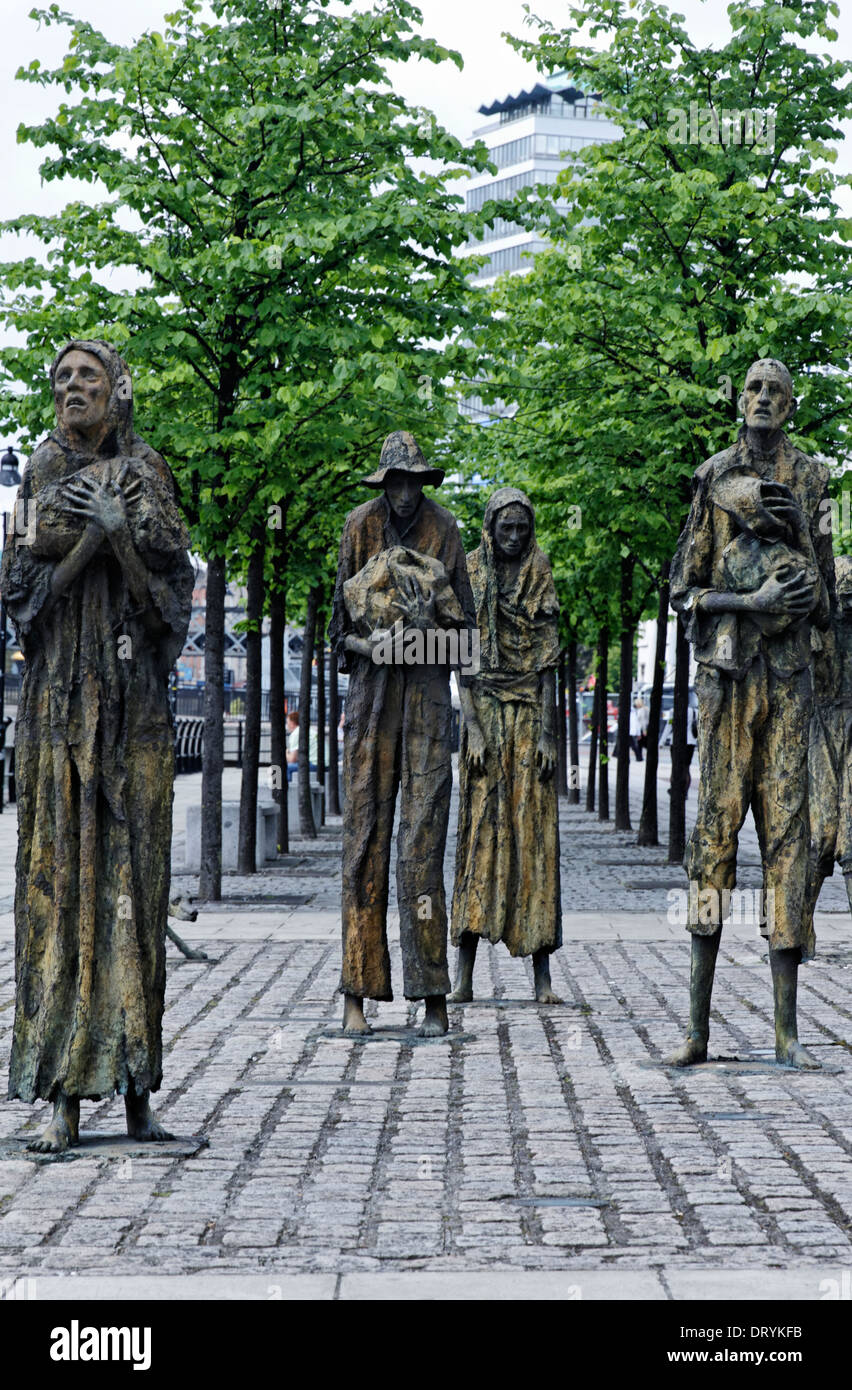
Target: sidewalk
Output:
{"points": [[534, 1152]]}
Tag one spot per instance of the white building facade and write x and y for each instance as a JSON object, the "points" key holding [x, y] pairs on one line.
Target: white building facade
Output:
{"points": [[529, 136]]}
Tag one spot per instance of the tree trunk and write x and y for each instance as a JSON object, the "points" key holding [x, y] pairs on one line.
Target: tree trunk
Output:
{"points": [[648, 827], [210, 878], [247, 844], [573, 728], [603, 737], [593, 750], [321, 728], [677, 811], [333, 745], [561, 741], [277, 709], [625, 695], [306, 814]]}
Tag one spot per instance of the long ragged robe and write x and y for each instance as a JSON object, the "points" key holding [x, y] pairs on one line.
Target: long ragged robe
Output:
{"points": [[94, 773], [396, 742], [507, 885]]}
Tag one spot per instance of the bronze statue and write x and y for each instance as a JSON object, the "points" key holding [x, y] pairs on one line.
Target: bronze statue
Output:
{"points": [[507, 851], [753, 577], [830, 749], [100, 592], [400, 555]]}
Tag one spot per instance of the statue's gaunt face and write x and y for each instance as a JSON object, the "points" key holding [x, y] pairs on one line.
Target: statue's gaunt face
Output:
{"points": [[512, 531], [766, 398], [403, 491], [81, 391]]}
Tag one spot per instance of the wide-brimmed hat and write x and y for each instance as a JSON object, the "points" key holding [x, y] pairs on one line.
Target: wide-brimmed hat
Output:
{"points": [[401, 452]]}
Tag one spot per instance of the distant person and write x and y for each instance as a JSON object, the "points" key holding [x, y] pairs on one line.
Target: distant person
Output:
{"points": [[644, 720], [691, 736], [293, 745], [635, 732]]}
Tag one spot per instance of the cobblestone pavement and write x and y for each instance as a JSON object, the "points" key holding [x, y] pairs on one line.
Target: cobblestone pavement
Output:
{"points": [[540, 1152]]}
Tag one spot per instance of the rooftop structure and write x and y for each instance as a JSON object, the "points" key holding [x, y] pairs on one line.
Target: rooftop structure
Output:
{"points": [[547, 123]]}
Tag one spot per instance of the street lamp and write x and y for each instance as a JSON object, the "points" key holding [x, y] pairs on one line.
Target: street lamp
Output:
{"points": [[9, 477]]}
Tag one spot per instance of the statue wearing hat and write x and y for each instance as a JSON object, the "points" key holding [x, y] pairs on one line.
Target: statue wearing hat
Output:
{"points": [[100, 594], [402, 566], [753, 578]]}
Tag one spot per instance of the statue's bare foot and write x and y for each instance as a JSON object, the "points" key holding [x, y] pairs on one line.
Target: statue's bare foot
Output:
{"points": [[545, 994], [57, 1137], [436, 1022], [63, 1131], [353, 1015], [462, 994], [694, 1050], [790, 1053], [544, 991], [463, 991], [142, 1122]]}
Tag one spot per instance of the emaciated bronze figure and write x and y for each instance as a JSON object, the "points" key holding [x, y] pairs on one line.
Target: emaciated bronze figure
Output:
{"points": [[753, 577], [401, 553], [507, 851], [100, 593]]}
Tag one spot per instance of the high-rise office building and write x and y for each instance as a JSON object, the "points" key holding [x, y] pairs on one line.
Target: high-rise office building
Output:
{"points": [[528, 136]]}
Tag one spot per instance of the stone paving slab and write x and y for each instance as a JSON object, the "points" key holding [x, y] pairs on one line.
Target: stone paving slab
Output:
{"points": [[493, 1285], [176, 1288], [436, 1159], [534, 1152]]}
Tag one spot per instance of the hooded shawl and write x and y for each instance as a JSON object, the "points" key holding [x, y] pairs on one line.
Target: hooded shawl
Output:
{"points": [[517, 609], [94, 766]]}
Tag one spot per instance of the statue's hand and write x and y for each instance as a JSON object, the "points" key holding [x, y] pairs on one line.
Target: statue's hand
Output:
{"points": [[781, 504], [785, 593], [359, 645], [545, 757], [476, 746], [417, 609], [103, 503]]}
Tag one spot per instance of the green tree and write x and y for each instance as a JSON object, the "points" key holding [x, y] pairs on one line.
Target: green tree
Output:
{"points": [[695, 243], [291, 267]]}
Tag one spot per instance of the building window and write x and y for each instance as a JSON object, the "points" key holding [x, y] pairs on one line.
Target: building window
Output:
{"points": [[510, 258], [514, 151], [532, 108], [507, 188], [502, 227]]}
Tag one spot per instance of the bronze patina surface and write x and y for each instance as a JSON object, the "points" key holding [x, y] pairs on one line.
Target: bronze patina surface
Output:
{"points": [[99, 588], [507, 850], [397, 736], [830, 748], [753, 577]]}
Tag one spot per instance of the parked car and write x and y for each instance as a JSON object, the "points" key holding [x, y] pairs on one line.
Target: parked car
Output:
{"points": [[588, 698], [667, 710]]}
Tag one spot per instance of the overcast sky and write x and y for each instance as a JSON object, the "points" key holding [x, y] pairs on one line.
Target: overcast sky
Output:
{"points": [[474, 27]]}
